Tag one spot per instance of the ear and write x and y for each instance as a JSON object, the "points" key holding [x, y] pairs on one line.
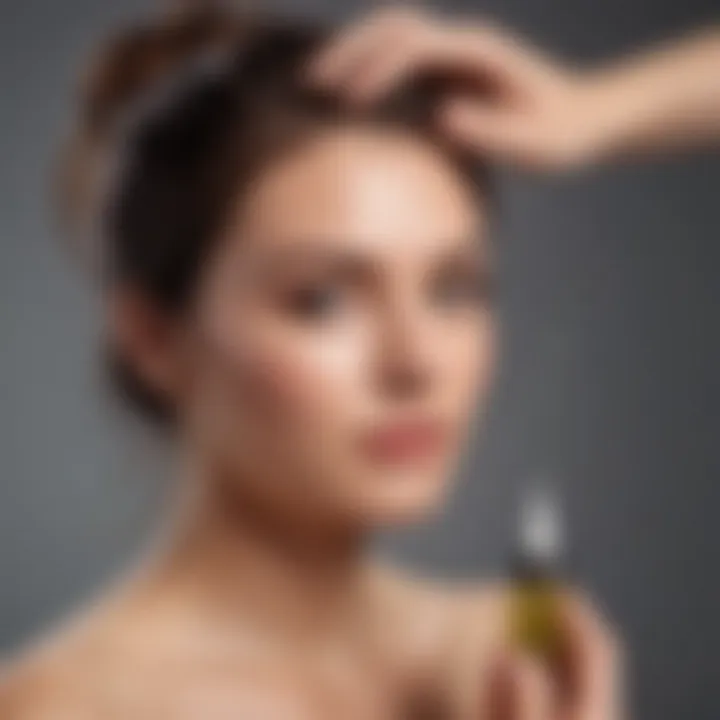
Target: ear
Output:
{"points": [[148, 339]]}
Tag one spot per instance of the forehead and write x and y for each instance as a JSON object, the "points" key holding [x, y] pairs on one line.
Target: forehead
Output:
{"points": [[378, 191]]}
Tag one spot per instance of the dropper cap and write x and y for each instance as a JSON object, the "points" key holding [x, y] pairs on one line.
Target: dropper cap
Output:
{"points": [[540, 531]]}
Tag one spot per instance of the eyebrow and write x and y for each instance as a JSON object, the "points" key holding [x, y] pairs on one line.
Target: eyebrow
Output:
{"points": [[292, 255]]}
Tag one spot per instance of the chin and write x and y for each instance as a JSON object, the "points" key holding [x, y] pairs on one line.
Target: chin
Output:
{"points": [[403, 501]]}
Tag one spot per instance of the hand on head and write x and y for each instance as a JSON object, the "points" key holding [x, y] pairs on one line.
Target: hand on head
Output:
{"points": [[515, 105]]}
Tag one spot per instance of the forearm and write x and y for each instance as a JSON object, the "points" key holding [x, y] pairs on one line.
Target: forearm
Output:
{"points": [[664, 99]]}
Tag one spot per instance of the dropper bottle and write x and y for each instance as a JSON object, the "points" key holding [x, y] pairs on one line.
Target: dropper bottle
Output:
{"points": [[537, 572]]}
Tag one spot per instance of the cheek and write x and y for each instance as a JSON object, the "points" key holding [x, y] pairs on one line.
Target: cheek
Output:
{"points": [[302, 384], [471, 366], [275, 389]]}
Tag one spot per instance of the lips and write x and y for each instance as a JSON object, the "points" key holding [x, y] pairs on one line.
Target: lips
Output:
{"points": [[410, 440]]}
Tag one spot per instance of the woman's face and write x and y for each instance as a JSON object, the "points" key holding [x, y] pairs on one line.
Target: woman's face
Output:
{"points": [[342, 337]]}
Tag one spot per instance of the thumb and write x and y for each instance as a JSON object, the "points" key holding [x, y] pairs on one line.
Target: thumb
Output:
{"points": [[485, 129]]}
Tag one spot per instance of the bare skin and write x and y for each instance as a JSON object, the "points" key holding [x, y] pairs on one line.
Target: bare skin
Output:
{"points": [[259, 601], [431, 649], [152, 654], [541, 113]]}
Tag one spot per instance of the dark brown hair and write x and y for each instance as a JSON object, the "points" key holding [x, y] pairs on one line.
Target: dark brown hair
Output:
{"points": [[177, 113]]}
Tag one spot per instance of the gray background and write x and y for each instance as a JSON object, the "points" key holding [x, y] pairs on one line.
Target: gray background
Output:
{"points": [[610, 378]]}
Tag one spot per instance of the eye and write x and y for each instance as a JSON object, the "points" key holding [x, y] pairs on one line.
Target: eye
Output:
{"points": [[315, 301], [457, 287]]}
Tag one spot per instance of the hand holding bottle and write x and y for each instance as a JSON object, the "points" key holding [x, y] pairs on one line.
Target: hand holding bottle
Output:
{"points": [[582, 683]]}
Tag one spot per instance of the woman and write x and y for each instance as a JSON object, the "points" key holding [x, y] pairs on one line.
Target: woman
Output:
{"points": [[299, 289]]}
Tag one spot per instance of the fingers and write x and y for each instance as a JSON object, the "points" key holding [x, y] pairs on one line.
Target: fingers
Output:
{"points": [[481, 127], [592, 661], [355, 44], [584, 683], [398, 58], [521, 690], [534, 695], [491, 131], [367, 58]]}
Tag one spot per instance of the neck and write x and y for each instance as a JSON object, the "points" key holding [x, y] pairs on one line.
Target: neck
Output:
{"points": [[233, 561]]}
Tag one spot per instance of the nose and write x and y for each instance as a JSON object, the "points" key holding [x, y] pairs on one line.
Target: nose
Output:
{"points": [[406, 350]]}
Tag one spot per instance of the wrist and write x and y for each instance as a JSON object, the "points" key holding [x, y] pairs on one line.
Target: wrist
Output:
{"points": [[616, 107], [600, 117]]}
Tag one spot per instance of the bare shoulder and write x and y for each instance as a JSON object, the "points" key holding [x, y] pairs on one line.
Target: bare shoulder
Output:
{"points": [[452, 628], [19, 685], [95, 667], [39, 683], [481, 603], [55, 673], [445, 617], [451, 601]]}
